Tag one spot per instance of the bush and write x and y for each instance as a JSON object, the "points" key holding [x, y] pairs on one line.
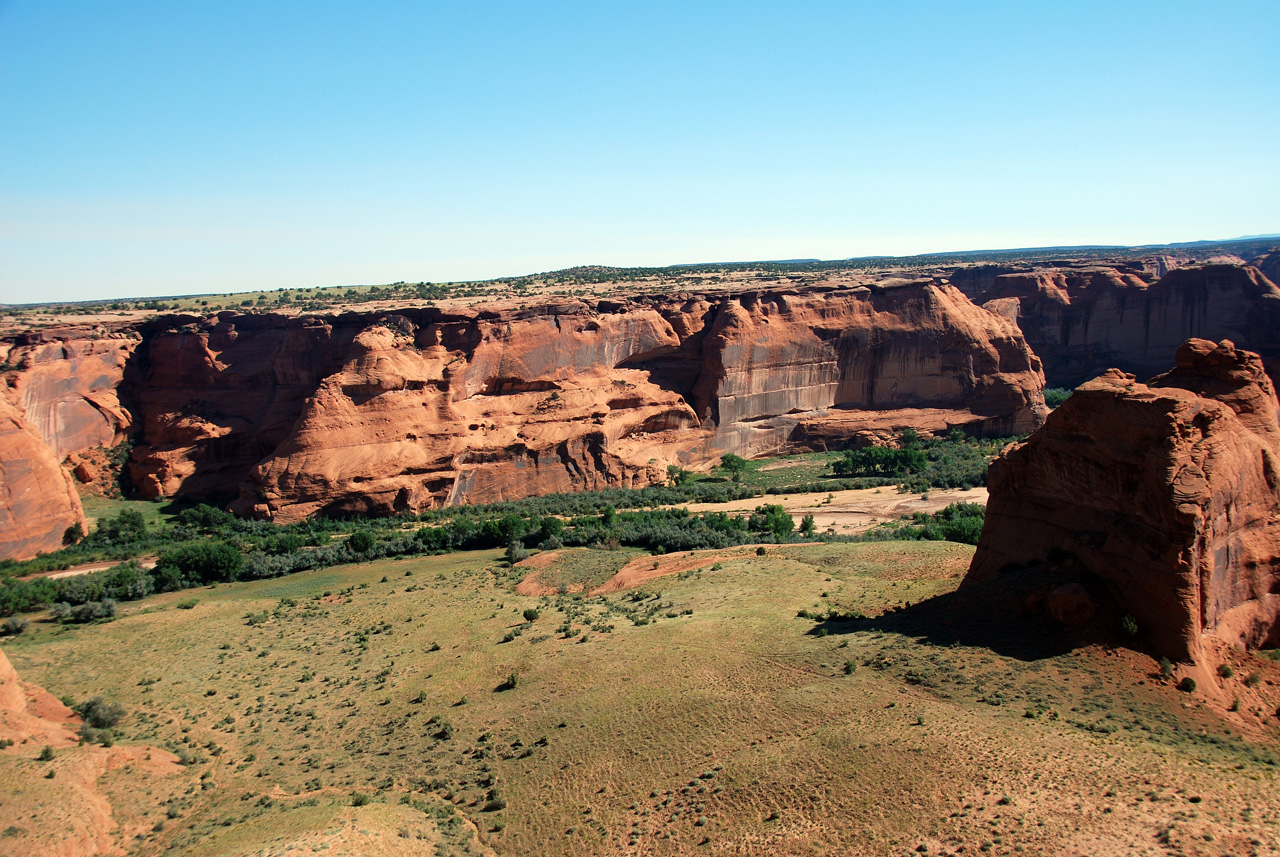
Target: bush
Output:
{"points": [[516, 552], [196, 564], [73, 534], [1055, 396], [100, 714], [13, 626], [1225, 671], [1129, 625], [773, 519], [361, 541], [1187, 685], [530, 614], [91, 611]]}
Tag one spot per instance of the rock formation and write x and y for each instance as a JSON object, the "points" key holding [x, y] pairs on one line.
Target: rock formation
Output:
{"points": [[1083, 320], [37, 498], [67, 384], [377, 413], [400, 411], [1166, 495]]}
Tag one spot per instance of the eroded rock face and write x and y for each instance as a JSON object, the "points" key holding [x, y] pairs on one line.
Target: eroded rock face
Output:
{"points": [[37, 498], [1168, 493], [67, 385], [1083, 321], [404, 411]]}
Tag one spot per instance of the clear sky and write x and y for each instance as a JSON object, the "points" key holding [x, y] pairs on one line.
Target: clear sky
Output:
{"points": [[152, 148]]}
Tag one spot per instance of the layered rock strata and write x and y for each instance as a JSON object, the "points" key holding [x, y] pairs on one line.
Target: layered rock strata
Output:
{"points": [[1166, 495], [1081, 321], [404, 411], [38, 501]]}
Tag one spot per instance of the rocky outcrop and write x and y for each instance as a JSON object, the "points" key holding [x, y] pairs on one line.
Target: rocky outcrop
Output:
{"points": [[1269, 264], [67, 384], [378, 413], [37, 498], [1165, 496], [1081, 321]]}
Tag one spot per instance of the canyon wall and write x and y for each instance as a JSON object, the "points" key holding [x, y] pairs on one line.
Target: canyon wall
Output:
{"points": [[287, 416], [1083, 320], [38, 500], [419, 408], [1166, 496]]}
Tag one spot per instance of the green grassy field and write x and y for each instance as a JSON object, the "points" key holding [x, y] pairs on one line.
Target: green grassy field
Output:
{"points": [[722, 723]]}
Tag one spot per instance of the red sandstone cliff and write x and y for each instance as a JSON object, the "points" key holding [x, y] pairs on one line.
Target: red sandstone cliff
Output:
{"points": [[1168, 493], [67, 384], [1081, 321], [384, 412], [37, 498], [403, 411]]}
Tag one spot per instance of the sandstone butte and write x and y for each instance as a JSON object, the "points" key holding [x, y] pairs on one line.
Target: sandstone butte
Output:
{"points": [[1081, 320], [1163, 497]]}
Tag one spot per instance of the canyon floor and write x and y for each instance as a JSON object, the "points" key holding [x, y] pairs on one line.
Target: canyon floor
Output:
{"points": [[409, 707]]}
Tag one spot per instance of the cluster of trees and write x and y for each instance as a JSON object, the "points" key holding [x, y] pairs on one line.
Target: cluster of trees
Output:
{"points": [[959, 522], [953, 461], [217, 551], [205, 545]]}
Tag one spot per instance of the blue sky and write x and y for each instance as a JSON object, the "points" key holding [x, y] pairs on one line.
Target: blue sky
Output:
{"points": [[170, 148]]}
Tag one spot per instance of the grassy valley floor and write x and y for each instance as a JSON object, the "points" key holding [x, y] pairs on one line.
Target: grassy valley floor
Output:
{"points": [[377, 709]]}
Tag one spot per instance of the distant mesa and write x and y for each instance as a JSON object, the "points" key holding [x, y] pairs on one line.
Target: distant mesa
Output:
{"points": [[1160, 501]]}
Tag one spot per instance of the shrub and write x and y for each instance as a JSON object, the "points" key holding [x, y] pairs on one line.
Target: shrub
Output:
{"points": [[361, 541], [1166, 668], [13, 626], [1055, 396], [1129, 625], [73, 534], [1225, 671], [46, 755], [516, 552], [99, 713], [93, 610], [1187, 685], [197, 563], [530, 614], [187, 603]]}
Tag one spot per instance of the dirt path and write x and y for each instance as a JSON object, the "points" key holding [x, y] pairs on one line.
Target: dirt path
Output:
{"points": [[848, 512], [89, 568]]}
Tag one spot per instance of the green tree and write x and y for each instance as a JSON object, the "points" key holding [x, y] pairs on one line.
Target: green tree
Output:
{"points": [[195, 564], [361, 541]]}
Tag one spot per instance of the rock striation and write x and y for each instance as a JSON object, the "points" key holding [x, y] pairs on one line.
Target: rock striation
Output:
{"points": [[379, 413], [1165, 495], [67, 383], [38, 500], [1083, 320]]}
